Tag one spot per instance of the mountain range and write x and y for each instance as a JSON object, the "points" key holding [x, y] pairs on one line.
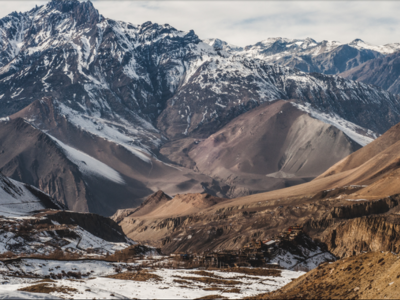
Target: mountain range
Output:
{"points": [[308, 55], [103, 109], [119, 141]]}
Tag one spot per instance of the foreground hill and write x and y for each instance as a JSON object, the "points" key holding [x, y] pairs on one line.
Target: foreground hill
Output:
{"points": [[366, 276]]}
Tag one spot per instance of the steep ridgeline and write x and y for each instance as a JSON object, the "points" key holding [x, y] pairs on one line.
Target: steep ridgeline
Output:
{"points": [[383, 72], [99, 92], [327, 57], [18, 199]]}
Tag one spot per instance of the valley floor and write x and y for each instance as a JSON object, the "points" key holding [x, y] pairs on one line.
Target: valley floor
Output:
{"points": [[99, 279]]}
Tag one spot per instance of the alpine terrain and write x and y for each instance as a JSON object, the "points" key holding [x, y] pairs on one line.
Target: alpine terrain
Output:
{"points": [[141, 161], [124, 110]]}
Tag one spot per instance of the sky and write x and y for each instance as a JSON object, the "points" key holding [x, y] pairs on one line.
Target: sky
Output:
{"points": [[247, 22]]}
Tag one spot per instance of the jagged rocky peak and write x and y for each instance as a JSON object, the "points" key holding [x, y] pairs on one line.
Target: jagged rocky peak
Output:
{"points": [[149, 31], [83, 12]]}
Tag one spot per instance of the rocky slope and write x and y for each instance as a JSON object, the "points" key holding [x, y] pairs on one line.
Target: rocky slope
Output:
{"points": [[371, 275], [88, 171], [18, 199], [383, 72]]}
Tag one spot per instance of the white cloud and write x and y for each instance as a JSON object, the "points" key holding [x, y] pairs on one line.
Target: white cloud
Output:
{"points": [[247, 22]]}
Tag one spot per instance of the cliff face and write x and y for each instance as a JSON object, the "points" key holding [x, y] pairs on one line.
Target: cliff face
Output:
{"points": [[366, 226], [345, 227], [372, 233]]}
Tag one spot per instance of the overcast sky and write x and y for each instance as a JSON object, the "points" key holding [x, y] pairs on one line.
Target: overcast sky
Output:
{"points": [[247, 22]]}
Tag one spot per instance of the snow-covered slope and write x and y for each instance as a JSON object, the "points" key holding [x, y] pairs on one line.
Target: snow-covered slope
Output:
{"points": [[223, 88], [356, 133], [89, 165], [32, 223], [95, 281], [18, 199]]}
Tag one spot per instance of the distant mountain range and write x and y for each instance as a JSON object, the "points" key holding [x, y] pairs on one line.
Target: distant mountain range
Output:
{"points": [[383, 72], [103, 113], [308, 55]]}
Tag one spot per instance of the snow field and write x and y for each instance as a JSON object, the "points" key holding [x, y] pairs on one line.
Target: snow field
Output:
{"points": [[89, 165], [98, 286]]}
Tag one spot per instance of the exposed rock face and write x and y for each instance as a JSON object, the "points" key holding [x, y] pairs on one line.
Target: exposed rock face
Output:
{"points": [[99, 226], [365, 226], [345, 228], [383, 72]]}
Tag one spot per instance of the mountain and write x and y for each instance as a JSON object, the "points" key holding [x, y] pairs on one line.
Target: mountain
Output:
{"points": [[270, 147], [352, 207], [224, 88], [110, 101], [383, 72], [126, 73], [308, 55]]}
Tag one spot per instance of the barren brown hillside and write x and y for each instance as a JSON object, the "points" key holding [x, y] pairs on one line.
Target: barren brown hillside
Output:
{"points": [[345, 210], [373, 275]]}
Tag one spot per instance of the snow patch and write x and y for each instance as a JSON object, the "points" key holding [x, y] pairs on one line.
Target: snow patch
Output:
{"points": [[348, 128], [89, 165]]}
